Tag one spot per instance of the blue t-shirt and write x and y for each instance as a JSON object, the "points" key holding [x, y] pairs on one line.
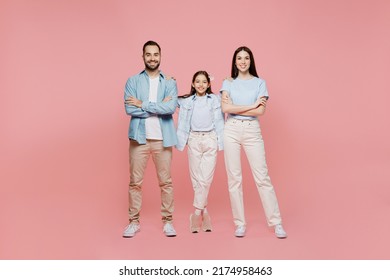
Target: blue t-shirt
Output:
{"points": [[244, 92]]}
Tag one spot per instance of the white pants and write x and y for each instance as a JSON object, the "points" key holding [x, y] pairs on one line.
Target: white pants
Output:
{"points": [[247, 134], [202, 157]]}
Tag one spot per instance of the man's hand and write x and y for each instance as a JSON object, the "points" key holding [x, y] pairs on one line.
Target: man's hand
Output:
{"points": [[168, 98], [133, 102], [138, 103]]}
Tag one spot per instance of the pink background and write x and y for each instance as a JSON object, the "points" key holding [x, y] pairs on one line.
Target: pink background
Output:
{"points": [[64, 161]]}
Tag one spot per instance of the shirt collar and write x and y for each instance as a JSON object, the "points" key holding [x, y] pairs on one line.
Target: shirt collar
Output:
{"points": [[162, 75], [207, 95]]}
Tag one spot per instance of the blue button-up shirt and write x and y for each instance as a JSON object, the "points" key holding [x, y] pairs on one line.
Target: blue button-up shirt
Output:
{"points": [[185, 114], [138, 87]]}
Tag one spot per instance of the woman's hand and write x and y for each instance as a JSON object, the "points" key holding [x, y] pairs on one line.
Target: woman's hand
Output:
{"points": [[261, 101], [226, 99]]}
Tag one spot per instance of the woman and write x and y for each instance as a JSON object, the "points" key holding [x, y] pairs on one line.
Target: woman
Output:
{"points": [[244, 98]]}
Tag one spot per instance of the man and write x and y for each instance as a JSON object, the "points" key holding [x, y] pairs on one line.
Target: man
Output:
{"points": [[150, 100]]}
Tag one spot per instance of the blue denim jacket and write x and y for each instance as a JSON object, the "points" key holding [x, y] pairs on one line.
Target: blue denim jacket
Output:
{"points": [[186, 106], [138, 86]]}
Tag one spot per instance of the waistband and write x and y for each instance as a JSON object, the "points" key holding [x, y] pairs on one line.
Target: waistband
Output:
{"points": [[202, 132], [241, 120]]}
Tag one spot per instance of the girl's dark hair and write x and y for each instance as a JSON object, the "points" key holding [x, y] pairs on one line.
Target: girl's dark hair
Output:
{"points": [[193, 90], [252, 66]]}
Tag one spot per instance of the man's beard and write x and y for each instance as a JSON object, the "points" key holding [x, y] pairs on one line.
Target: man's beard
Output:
{"points": [[152, 68]]}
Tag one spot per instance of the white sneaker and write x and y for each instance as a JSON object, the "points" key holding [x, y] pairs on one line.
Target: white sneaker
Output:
{"points": [[131, 230], [279, 231], [169, 230], [240, 231]]}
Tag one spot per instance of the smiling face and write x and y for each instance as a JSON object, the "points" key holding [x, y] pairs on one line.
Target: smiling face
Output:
{"points": [[200, 84], [151, 57], [243, 61]]}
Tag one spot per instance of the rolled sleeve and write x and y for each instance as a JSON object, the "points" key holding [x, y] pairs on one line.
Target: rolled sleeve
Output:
{"points": [[226, 85]]}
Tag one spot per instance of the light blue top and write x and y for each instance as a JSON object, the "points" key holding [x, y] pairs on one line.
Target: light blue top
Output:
{"points": [[138, 86], [202, 116], [244, 92], [186, 106]]}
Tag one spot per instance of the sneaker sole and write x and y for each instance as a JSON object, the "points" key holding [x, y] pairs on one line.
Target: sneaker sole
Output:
{"points": [[130, 236]]}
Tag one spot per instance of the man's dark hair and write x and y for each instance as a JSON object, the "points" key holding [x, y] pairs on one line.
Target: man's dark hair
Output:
{"points": [[151, 43]]}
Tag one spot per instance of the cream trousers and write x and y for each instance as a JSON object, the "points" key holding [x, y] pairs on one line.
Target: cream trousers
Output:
{"points": [[202, 158], [247, 134]]}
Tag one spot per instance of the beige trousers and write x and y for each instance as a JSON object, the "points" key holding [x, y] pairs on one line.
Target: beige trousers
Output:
{"points": [[247, 134], [202, 158], [162, 157]]}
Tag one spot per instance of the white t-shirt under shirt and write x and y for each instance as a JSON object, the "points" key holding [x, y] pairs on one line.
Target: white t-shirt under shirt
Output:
{"points": [[244, 92], [202, 119], [152, 124]]}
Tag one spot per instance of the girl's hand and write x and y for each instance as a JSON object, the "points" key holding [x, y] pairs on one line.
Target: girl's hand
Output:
{"points": [[168, 98]]}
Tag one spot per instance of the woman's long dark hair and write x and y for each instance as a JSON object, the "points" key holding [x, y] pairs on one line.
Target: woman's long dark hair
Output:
{"points": [[252, 66], [193, 90]]}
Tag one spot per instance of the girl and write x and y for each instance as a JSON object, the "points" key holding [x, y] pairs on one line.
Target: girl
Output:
{"points": [[200, 125], [244, 98]]}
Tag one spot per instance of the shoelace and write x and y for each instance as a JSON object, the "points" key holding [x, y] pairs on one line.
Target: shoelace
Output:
{"points": [[133, 227], [279, 228], [168, 227]]}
